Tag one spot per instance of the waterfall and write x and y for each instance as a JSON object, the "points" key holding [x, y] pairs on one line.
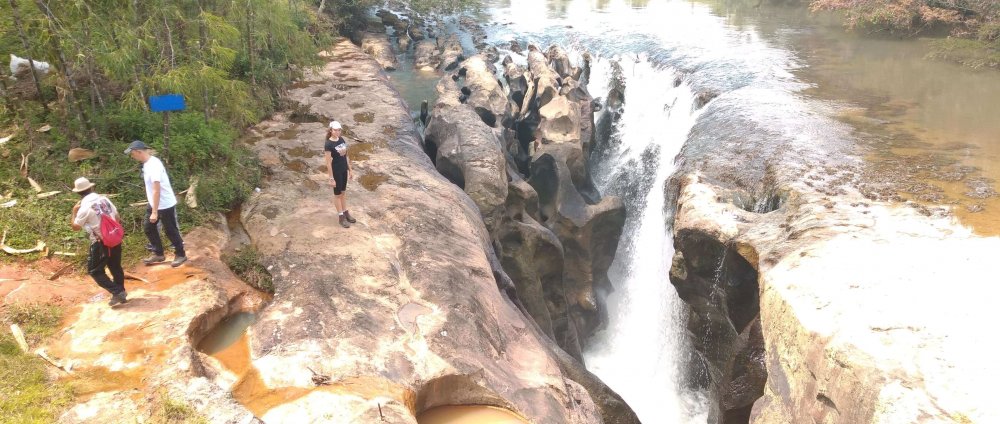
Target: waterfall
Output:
{"points": [[642, 351]]}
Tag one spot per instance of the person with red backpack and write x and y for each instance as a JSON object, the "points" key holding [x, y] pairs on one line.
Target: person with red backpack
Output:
{"points": [[98, 217]]}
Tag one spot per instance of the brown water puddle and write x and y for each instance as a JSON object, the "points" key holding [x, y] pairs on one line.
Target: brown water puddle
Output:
{"points": [[87, 382], [252, 392], [469, 414]]}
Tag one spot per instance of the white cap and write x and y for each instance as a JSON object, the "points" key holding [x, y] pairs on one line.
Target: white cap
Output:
{"points": [[334, 125]]}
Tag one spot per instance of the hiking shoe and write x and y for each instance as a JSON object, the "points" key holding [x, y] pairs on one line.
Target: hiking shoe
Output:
{"points": [[118, 299], [155, 259], [149, 247], [344, 222], [178, 260], [349, 217]]}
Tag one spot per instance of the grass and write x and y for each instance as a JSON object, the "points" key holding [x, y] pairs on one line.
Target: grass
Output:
{"points": [[27, 395], [971, 53], [246, 264], [166, 410]]}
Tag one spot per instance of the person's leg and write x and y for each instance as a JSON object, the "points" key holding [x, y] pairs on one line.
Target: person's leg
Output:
{"points": [[115, 266], [153, 234], [173, 230], [342, 186], [96, 262]]}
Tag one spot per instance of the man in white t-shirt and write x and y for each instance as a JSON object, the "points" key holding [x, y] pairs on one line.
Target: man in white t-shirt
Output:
{"points": [[87, 217], [162, 205]]}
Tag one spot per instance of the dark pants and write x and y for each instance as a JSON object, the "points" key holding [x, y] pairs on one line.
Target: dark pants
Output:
{"points": [[102, 257], [168, 217]]}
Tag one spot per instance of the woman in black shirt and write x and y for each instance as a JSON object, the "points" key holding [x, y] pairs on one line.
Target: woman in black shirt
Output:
{"points": [[339, 168]]}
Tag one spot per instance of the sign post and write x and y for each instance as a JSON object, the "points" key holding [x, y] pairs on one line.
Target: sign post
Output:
{"points": [[166, 103]]}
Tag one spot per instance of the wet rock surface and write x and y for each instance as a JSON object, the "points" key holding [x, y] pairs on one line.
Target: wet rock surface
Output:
{"points": [[406, 310], [378, 46]]}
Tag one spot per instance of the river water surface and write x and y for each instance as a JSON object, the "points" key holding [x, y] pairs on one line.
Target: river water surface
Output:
{"points": [[904, 128]]}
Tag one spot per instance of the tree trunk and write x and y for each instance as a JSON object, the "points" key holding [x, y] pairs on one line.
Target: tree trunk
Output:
{"points": [[170, 43], [203, 44], [250, 47], [322, 4], [67, 73], [27, 53]]}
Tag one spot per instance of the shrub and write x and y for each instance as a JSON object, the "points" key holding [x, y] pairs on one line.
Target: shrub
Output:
{"points": [[246, 264]]}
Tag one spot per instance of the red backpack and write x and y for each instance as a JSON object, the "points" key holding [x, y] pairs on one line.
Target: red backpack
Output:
{"points": [[112, 231]]}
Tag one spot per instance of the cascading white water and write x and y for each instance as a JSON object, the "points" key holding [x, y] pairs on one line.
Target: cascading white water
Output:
{"points": [[641, 353]]}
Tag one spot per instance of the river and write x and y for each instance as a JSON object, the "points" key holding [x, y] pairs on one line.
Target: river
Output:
{"points": [[900, 126]]}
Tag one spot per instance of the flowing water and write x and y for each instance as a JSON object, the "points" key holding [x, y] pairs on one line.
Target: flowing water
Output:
{"points": [[793, 85]]}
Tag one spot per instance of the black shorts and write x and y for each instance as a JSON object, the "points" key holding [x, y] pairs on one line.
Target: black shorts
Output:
{"points": [[340, 182]]}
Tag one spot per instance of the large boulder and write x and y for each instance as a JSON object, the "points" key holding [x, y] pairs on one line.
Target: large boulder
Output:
{"points": [[560, 121], [589, 232], [377, 45], [467, 153], [546, 81], [484, 93], [532, 256], [451, 52], [426, 56], [560, 63]]}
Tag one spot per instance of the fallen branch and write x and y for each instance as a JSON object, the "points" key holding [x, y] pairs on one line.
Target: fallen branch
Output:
{"points": [[191, 198], [3, 246], [19, 337], [60, 272], [4, 280], [41, 353], [34, 185], [131, 276], [24, 164], [47, 194]]}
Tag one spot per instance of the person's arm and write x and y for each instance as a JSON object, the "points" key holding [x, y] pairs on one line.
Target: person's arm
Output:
{"points": [[72, 218], [154, 215], [328, 158]]}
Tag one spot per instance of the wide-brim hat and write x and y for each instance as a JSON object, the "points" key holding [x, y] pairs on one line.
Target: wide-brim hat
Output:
{"points": [[82, 184]]}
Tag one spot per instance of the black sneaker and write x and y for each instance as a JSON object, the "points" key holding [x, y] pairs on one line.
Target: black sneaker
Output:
{"points": [[343, 221], [118, 299], [155, 259], [178, 260], [349, 217]]}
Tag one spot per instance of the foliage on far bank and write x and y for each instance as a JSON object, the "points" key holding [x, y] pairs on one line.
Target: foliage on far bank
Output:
{"points": [[973, 25]]}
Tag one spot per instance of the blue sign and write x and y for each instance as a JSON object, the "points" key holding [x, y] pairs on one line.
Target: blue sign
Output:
{"points": [[166, 103]]}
